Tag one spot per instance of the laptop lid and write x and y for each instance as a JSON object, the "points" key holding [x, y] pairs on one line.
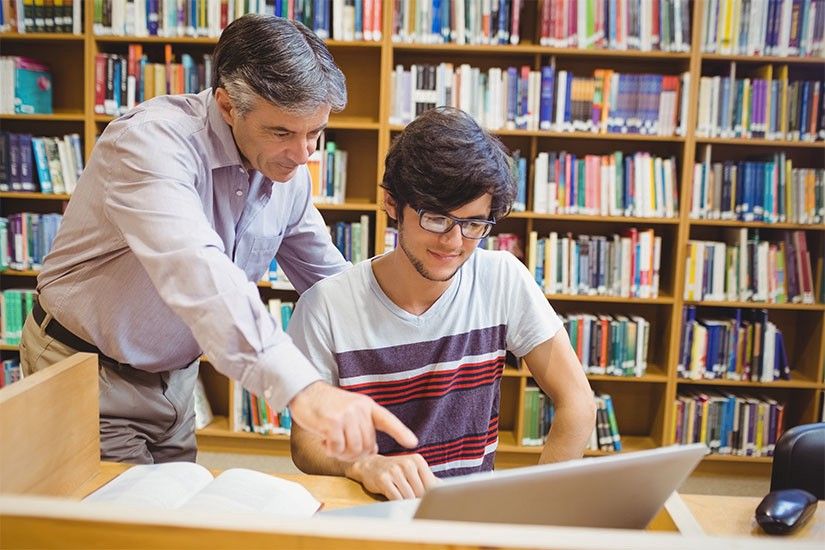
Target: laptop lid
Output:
{"points": [[620, 491]]}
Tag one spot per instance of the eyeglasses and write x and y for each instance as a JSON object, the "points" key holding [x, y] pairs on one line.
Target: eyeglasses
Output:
{"points": [[442, 223]]}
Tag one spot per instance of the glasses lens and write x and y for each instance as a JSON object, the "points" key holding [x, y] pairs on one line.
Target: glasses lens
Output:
{"points": [[436, 223], [475, 230]]}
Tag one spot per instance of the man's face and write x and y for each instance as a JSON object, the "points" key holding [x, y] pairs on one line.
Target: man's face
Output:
{"points": [[274, 141], [437, 257]]}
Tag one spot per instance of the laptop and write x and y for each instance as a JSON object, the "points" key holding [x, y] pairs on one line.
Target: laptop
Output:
{"points": [[620, 491]]}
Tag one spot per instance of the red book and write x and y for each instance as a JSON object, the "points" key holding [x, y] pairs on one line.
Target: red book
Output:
{"points": [[100, 83]]}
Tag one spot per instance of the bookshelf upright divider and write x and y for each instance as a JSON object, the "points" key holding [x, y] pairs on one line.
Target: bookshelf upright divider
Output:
{"points": [[646, 407]]}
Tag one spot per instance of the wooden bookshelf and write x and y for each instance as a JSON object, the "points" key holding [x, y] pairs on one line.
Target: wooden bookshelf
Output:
{"points": [[645, 405]]}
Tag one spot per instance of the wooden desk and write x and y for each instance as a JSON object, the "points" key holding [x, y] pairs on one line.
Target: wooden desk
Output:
{"points": [[49, 459], [723, 516], [733, 516]]}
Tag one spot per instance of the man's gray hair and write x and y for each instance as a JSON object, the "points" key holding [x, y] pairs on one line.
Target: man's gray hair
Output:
{"points": [[280, 61]]}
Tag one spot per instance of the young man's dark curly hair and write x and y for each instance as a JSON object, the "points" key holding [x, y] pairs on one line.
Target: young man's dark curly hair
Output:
{"points": [[444, 160]]}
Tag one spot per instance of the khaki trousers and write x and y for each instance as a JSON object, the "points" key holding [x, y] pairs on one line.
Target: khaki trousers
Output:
{"points": [[145, 417]]}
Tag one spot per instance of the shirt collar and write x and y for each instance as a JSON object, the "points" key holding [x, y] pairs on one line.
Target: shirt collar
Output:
{"points": [[221, 143]]}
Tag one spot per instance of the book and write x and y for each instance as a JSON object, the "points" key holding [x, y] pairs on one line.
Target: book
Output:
{"points": [[190, 486]]}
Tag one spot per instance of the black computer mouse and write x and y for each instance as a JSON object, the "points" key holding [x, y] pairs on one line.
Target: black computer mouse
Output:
{"points": [[783, 511]]}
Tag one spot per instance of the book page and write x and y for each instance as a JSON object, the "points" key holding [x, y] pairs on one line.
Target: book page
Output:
{"points": [[241, 490], [163, 486]]}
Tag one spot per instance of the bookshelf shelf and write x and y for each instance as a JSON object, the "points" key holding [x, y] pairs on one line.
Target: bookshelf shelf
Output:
{"points": [[34, 196], [42, 36], [785, 384], [9, 347], [57, 116], [775, 143], [758, 305], [528, 48], [348, 206], [352, 123], [593, 218], [507, 444], [759, 59], [666, 300], [737, 458], [647, 378], [758, 225], [113, 39], [19, 273]]}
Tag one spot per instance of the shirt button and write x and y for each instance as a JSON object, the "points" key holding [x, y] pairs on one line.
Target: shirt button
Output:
{"points": [[239, 193]]}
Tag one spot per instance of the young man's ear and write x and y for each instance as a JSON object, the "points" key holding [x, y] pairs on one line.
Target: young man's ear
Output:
{"points": [[390, 206]]}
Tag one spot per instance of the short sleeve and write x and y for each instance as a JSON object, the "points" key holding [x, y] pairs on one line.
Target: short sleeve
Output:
{"points": [[531, 319], [310, 330]]}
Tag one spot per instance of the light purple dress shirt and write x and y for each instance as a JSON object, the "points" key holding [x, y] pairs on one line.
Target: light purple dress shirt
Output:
{"points": [[160, 248]]}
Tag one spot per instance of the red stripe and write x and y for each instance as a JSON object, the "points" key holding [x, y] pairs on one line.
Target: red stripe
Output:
{"points": [[396, 401], [467, 447], [406, 389], [492, 429], [426, 375]]}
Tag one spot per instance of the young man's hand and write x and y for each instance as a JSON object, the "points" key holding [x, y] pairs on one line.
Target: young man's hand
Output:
{"points": [[395, 477], [346, 421]]}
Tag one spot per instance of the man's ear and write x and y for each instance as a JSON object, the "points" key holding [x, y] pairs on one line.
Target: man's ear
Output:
{"points": [[224, 105], [390, 206]]}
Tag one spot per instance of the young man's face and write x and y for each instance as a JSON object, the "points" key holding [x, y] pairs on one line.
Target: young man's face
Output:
{"points": [[274, 141], [437, 257]]}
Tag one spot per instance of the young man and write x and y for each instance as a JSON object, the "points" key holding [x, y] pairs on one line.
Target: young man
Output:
{"points": [[183, 204], [424, 329]]}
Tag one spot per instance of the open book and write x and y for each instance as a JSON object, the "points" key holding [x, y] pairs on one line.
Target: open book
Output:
{"points": [[190, 486]]}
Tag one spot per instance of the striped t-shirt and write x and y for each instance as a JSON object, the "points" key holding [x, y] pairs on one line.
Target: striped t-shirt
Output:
{"points": [[438, 372]]}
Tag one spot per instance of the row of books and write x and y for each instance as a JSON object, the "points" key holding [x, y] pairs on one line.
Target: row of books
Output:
{"points": [[749, 269], [275, 277], [645, 25], [729, 424], [615, 345], [521, 98], [539, 413], [595, 265], [509, 242], [25, 86], [352, 238], [639, 184], [761, 107], [255, 415], [252, 413], [15, 306], [328, 170], [26, 238], [769, 191], [11, 372], [123, 82], [337, 19], [743, 347], [49, 16], [42, 164], [764, 27], [457, 21]]}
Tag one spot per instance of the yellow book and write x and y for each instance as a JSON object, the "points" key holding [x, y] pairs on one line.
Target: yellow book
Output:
{"points": [[148, 81], [724, 33], [760, 425], [736, 11], [703, 429]]}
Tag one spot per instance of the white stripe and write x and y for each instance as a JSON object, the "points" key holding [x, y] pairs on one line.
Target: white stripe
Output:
{"points": [[433, 367], [474, 463]]}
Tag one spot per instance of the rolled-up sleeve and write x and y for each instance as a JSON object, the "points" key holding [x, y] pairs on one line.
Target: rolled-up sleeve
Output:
{"points": [[152, 199]]}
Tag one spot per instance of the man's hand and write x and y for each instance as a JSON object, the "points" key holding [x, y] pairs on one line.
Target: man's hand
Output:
{"points": [[346, 421], [395, 477]]}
